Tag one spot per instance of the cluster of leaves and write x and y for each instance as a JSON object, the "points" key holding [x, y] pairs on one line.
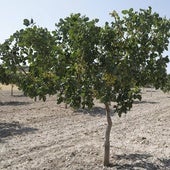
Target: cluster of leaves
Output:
{"points": [[80, 60], [29, 54]]}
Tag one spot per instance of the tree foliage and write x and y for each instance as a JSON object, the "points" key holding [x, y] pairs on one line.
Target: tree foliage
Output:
{"points": [[32, 48], [78, 38]]}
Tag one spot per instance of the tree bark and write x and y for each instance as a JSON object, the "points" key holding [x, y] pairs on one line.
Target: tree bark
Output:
{"points": [[65, 105], [12, 90], [107, 137]]}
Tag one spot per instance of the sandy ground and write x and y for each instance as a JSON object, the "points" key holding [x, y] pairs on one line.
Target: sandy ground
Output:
{"points": [[46, 136]]}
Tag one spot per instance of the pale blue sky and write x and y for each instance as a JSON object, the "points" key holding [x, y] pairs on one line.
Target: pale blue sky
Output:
{"points": [[47, 12]]}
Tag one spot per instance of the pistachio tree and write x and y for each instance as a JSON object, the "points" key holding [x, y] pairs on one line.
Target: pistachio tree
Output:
{"points": [[29, 55], [133, 47], [81, 61], [110, 63]]}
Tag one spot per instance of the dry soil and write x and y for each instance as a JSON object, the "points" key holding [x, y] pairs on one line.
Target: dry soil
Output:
{"points": [[46, 136]]}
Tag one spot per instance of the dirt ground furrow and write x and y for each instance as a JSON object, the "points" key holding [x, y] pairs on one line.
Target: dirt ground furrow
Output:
{"points": [[46, 136]]}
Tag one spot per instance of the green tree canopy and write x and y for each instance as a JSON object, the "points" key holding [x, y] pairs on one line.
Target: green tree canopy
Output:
{"points": [[32, 48]]}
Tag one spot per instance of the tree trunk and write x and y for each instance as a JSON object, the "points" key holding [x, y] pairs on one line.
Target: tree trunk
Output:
{"points": [[107, 137], [65, 105], [12, 90]]}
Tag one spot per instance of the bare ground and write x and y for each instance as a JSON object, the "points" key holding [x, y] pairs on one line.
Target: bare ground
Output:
{"points": [[46, 136]]}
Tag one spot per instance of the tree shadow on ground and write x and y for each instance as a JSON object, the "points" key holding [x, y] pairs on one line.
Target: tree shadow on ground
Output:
{"points": [[165, 162], [145, 102], [14, 128], [95, 111], [100, 111], [140, 161], [13, 103]]}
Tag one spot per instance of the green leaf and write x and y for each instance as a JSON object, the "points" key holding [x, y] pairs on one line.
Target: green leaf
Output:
{"points": [[26, 22], [124, 12]]}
